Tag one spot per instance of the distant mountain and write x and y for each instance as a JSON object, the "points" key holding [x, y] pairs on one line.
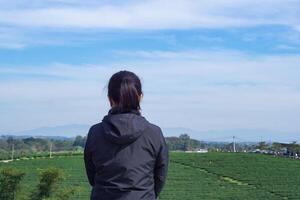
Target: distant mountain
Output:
{"points": [[70, 130], [176, 131], [242, 135], [36, 136]]}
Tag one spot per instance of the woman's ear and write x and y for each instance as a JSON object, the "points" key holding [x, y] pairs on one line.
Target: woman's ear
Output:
{"points": [[141, 97]]}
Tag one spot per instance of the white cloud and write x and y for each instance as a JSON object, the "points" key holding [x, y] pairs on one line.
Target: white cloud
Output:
{"points": [[10, 39], [157, 14], [214, 90], [28, 23], [286, 47]]}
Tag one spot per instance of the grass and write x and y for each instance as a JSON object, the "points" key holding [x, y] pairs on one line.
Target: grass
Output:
{"points": [[211, 176]]}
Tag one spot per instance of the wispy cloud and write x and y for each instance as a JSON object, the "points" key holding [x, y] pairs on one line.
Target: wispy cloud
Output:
{"points": [[63, 22], [286, 47], [227, 63], [227, 90], [158, 14], [10, 39]]}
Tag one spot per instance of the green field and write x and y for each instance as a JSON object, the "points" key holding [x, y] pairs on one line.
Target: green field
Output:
{"points": [[191, 176]]}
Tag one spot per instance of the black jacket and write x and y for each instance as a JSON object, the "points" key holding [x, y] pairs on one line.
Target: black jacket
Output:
{"points": [[126, 157]]}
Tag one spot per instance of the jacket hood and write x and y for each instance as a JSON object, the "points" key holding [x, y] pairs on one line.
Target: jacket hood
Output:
{"points": [[123, 127]]}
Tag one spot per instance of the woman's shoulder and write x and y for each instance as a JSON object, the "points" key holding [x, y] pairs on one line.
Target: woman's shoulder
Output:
{"points": [[94, 129], [154, 130]]}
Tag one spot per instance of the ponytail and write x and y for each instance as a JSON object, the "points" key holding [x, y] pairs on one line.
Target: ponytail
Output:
{"points": [[129, 97], [125, 89]]}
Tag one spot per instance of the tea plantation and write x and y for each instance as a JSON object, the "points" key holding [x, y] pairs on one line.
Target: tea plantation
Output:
{"points": [[211, 176]]}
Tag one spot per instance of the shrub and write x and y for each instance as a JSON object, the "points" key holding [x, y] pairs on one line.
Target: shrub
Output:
{"points": [[9, 182], [49, 180]]}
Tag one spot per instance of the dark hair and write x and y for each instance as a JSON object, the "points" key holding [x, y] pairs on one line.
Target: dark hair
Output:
{"points": [[125, 88]]}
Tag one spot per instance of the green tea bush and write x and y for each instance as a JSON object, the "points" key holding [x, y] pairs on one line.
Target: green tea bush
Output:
{"points": [[9, 181]]}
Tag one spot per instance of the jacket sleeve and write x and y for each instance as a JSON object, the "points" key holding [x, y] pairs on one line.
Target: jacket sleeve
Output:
{"points": [[161, 167], [89, 165]]}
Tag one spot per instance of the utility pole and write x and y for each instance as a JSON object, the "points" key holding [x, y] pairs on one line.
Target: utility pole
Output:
{"points": [[50, 150], [261, 139], [12, 151], [233, 138]]}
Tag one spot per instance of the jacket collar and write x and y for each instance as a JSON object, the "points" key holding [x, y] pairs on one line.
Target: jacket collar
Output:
{"points": [[118, 110]]}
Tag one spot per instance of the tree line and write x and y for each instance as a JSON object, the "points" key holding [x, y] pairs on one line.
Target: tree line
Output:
{"points": [[24, 147]]}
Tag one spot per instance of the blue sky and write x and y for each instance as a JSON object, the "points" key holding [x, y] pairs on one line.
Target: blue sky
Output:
{"points": [[205, 65]]}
